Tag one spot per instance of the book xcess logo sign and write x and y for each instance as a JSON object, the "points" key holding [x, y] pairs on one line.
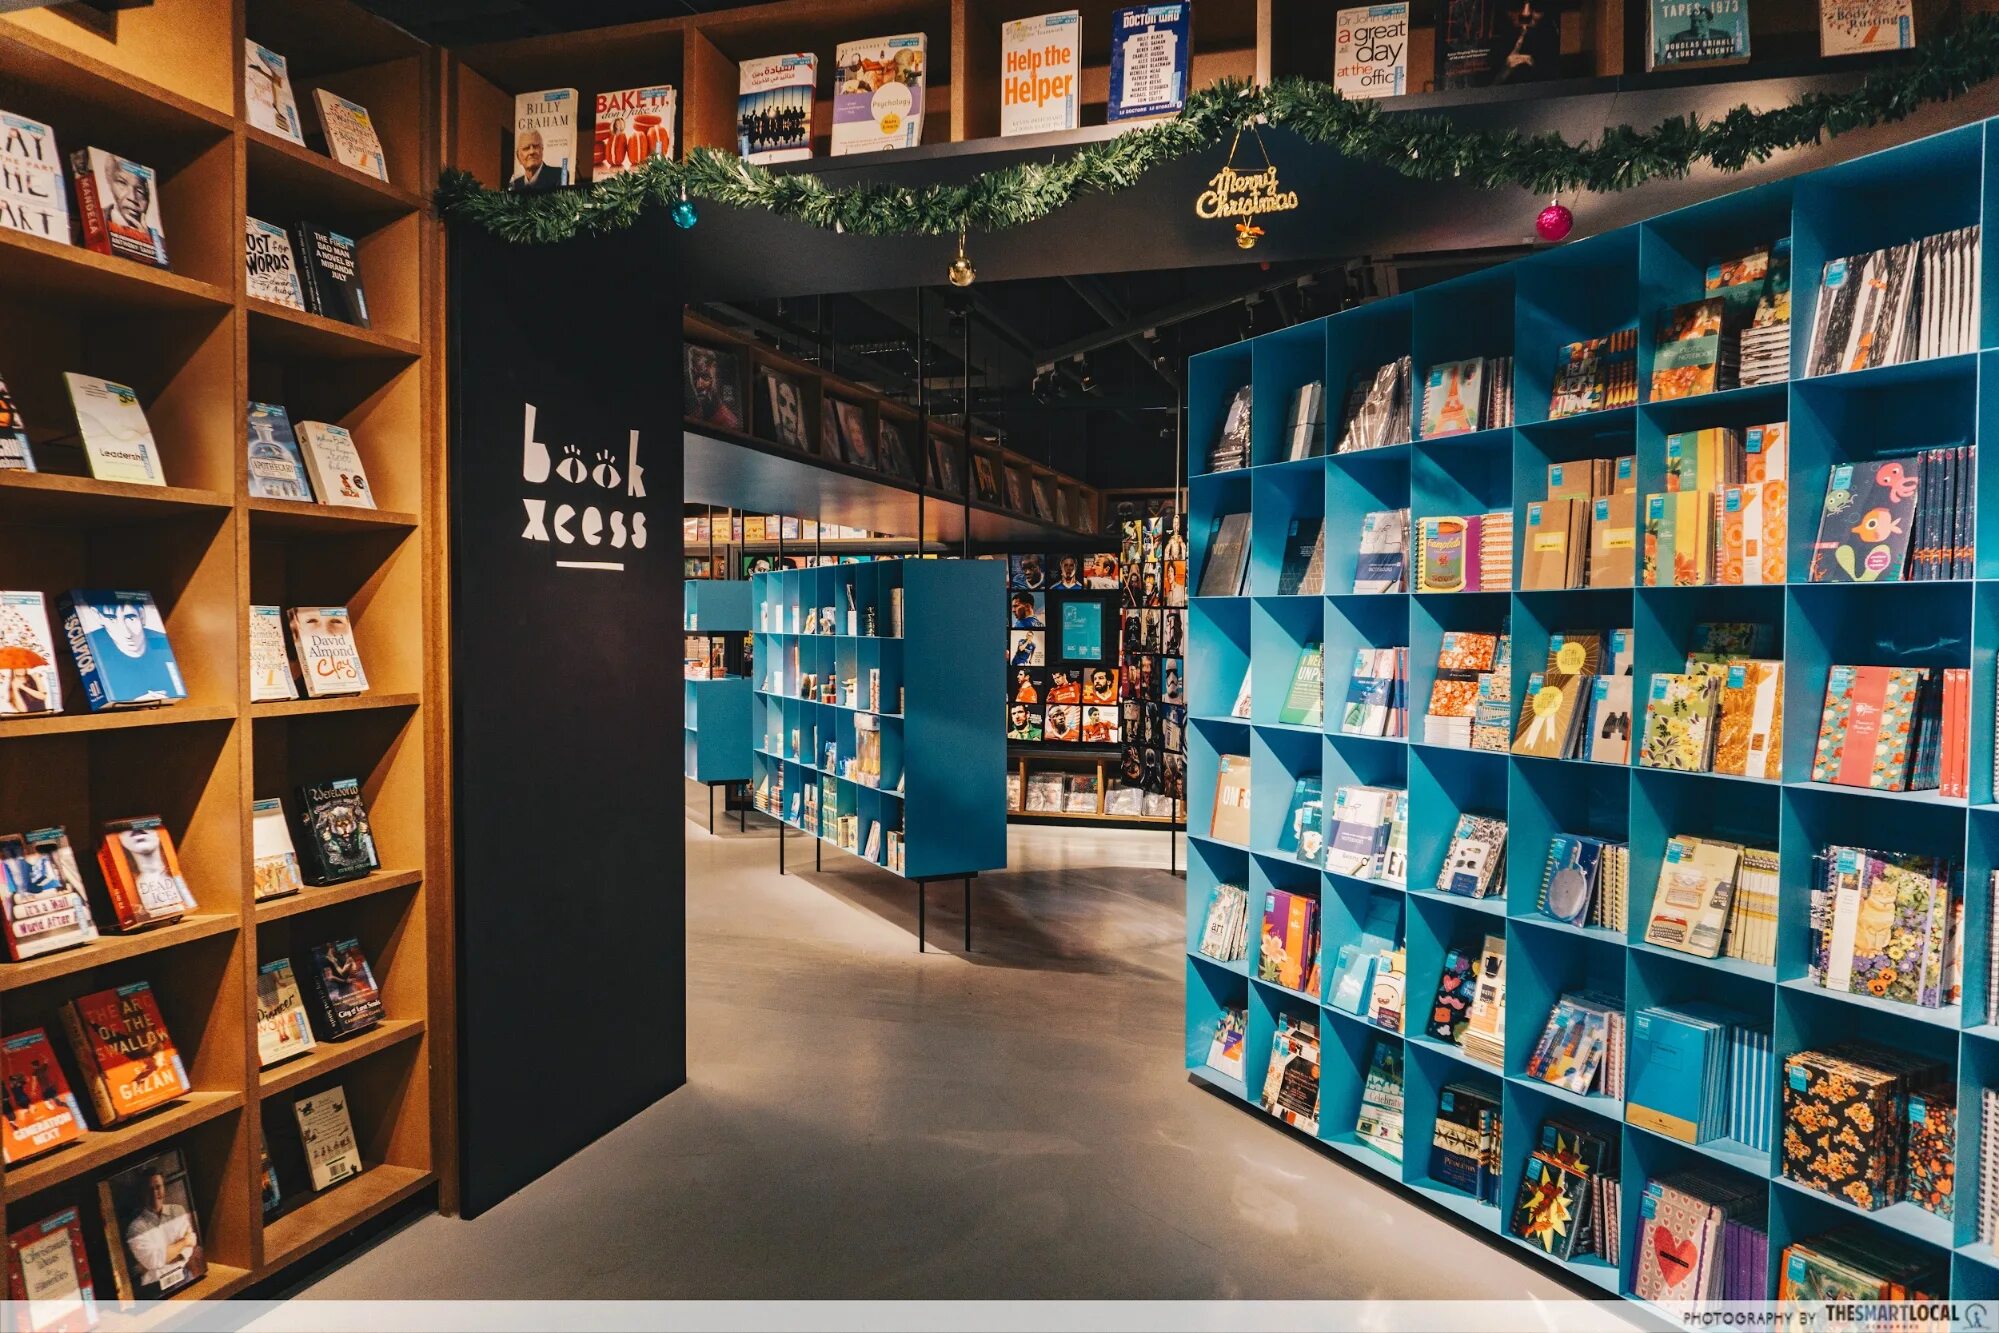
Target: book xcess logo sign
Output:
{"points": [[573, 513]]}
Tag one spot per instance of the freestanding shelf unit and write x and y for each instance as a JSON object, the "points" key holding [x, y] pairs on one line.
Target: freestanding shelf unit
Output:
{"points": [[1529, 309], [942, 783], [716, 713]]}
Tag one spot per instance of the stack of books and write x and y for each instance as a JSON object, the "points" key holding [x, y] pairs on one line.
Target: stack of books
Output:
{"points": [[1231, 448], [1378, 408], [1578, 706], [1460, 397], [1702, 1237], [1305, 436], [1225, 933], [1379, 1125], [1291, 1079], [1684, 1083], [1567, 1203], [1854, 1262], [1377, 702], [1475, 862], [1472, 685], [1725, 712], [1595, 374], [1905, 303], [1885, 925], [1483, 1036], [1766, 344], [1894, 728], [1383, 565], [1903, 517], [1722, 516], [1847, 1125], [1988, 1171], [1582, 1047], [1465, 552], [1585, 882], [1288, 951], [1363, 831], [1464, 1143]]}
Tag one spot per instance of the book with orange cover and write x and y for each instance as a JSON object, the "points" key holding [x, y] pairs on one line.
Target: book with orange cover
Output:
{"points": [[142, 872], [41, 1111], [127, 1059]]}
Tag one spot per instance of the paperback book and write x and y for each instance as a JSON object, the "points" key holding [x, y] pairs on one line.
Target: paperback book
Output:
{"points": [[329, 661], [633, 126], [334, 461], [274, 861], [117, 440], [544, 141], [329, 266], [277, 470], [333, 826], [878, 94], [120, 647], [774, 107], [42, 1112], [118, 205], [33, 195], [350, 134], [153, 1233], [268, 95], [128, 1061], [43, 903], [282, 1028], [340, 985], [1040, 65], [29, 681], [271, 270], [1152, 50]]}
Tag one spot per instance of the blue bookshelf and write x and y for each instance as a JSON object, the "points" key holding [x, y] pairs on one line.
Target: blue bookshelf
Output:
{"points": [[1528, 309], [942, 781], [716, 729]]}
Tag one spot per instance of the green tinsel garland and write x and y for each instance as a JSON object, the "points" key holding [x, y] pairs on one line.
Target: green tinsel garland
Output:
{"points": [[1421, 146]]}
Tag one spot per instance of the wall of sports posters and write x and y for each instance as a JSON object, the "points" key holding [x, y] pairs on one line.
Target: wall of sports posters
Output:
{"points": [[1064, 649], [1153, 707]]}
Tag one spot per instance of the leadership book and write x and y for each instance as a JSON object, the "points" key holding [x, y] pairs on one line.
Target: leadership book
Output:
{"points": [[774, 98], [117, 440]]}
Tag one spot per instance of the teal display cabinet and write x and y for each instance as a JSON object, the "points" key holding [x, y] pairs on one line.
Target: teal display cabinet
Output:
{"points": [[716, 725], [927, 692], [1529, 309]]}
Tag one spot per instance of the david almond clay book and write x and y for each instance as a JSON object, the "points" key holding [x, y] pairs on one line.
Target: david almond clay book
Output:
{"points": [[333, 823], [327, 1134], [42, 1113], [151, 1228], [329, 662], [345, 999], [774, 107], [268, 95], [118, 201], [350, 134], [116, 437], [29, 682], [270, 668], [48, 1276], [1040, 62], [42, 898], [282, 1027], [334, 462], [878, 92], [274, 860], [33, 197], [269, 266], [277, 471], [142, 872], [128, 1061], [544, 141], [120, 646], [633, 126]]}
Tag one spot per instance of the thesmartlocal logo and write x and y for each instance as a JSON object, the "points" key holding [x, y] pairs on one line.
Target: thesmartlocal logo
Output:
{"points": [[583, 507]]}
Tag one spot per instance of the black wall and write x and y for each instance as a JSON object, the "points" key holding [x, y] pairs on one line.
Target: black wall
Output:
{"points": [[567, 698]]}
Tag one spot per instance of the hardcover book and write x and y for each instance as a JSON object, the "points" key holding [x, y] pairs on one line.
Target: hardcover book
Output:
{"points": [[329, 661], [334, 462], [48, 1276], [16, 454], [774, 107], [118, 202], [270, 268], [338, 841], [331, 1153], [1865, 524], [268, 95], [1749, 737], [329, 267], [1687, 358], [1679, 720], [277, 471], [127, 1059], [116, 438], [274, 859], [33, 197], [42, 1113], [42, 899], [1152, 49], [345, 999], [1867, 729], [1040, 65], [350, 134], [153, 1233], [878, 93], [29, 682], [270, 667], [1690, 905], [283, 1030], [544, 142], [633, 126], [120, 646]]}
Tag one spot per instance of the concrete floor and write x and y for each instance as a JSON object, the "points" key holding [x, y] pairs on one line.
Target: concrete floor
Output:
{"points": [[862, 1121]]}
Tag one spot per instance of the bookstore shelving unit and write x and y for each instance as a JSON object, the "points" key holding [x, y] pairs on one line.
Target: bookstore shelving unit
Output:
{"points": [[163, 86], [1529, 309], [716, 713], [942, 779]]}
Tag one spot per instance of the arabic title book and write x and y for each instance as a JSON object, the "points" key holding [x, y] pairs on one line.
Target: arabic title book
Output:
{"points": [[774, 110]]}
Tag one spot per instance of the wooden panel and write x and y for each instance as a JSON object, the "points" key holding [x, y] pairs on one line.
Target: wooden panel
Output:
{"points": [[190, 46], [708, 115]]}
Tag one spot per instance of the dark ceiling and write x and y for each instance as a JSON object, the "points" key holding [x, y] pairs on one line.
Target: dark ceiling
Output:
{"points": [[466, 22]]}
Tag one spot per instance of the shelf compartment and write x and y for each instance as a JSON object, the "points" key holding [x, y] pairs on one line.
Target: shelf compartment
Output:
{"points": [[299, 516], [73, 723], [339, 1210], [296, 333], [113, 949], [342, 703], [42, 497], [36, 269], [99, 1148], [313, 898], [294, 182], [328, 1056]]}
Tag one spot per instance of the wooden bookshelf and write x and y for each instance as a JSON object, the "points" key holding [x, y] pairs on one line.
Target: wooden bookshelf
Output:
{"points": [[162, 85]]}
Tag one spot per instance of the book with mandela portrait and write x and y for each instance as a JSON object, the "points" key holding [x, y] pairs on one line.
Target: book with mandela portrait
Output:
{"points": [[118, 203], [336, 840]]}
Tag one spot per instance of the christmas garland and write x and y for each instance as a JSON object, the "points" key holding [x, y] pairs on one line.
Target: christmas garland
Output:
{"points": [[1420, 146]]}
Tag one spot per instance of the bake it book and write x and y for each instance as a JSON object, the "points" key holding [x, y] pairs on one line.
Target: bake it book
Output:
{"points": [[127, 1059]]}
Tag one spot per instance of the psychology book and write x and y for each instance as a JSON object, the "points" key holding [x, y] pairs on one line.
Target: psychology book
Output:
{"points": [[878, 94]]}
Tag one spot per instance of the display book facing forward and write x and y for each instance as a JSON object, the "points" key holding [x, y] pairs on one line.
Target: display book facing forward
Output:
{"points": [[879, 89], [1891, 518], [1904, 303], [124, 1053], [119, 644], [1895, 728], [1725, 712], [1567, 1199], [319, 461], [334, 832], [1886, 925]]}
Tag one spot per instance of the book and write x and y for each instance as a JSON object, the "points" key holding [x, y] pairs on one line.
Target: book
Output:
{"points": [[16, 454], [1377, 408], [128, 1061], [334, 463], [1484, 1035], [544, 142], [1304, 537], [270, 269], [1291, 1079], [48, 1276], [43, 903], [1690, 906], [1288, 944], [276, 471], [1230, 820], [331, 1153], [1690, 355], [633, 126], [141, 869], [1225, 1051], [350, 134], [267, 93], [1861, 318], [1551, 716], [774, 107], [711, 394], [1866, 522], [1453, 398], [1227, 557], [1607, 727], [118, 206], [29, 682], [1574, 1043], [1613, 540], [1383, 563], [1152, 51], [1679, 721], [329, 268], [333, 826], [343, 998], [1231, 448], [878, 93], [329, 661], [283, 1030], [1866, 729], [1856, 27], [153, 1232], [1040, 69], [1475, 857], [1304, 704], [42, 1113], [1749, 732], [1303, 831], [1379, 1125], [270, 667], [117, 440], [1371, 50], [33, 196], [1687, 34], [1464, 1144], [274, 861], [1224, 934]]}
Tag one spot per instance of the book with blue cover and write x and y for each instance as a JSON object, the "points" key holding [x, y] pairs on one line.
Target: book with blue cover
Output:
{"points": [[121, 649], [1679, 1071], [1305, 806], [1152, 50], [277, 468]]}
